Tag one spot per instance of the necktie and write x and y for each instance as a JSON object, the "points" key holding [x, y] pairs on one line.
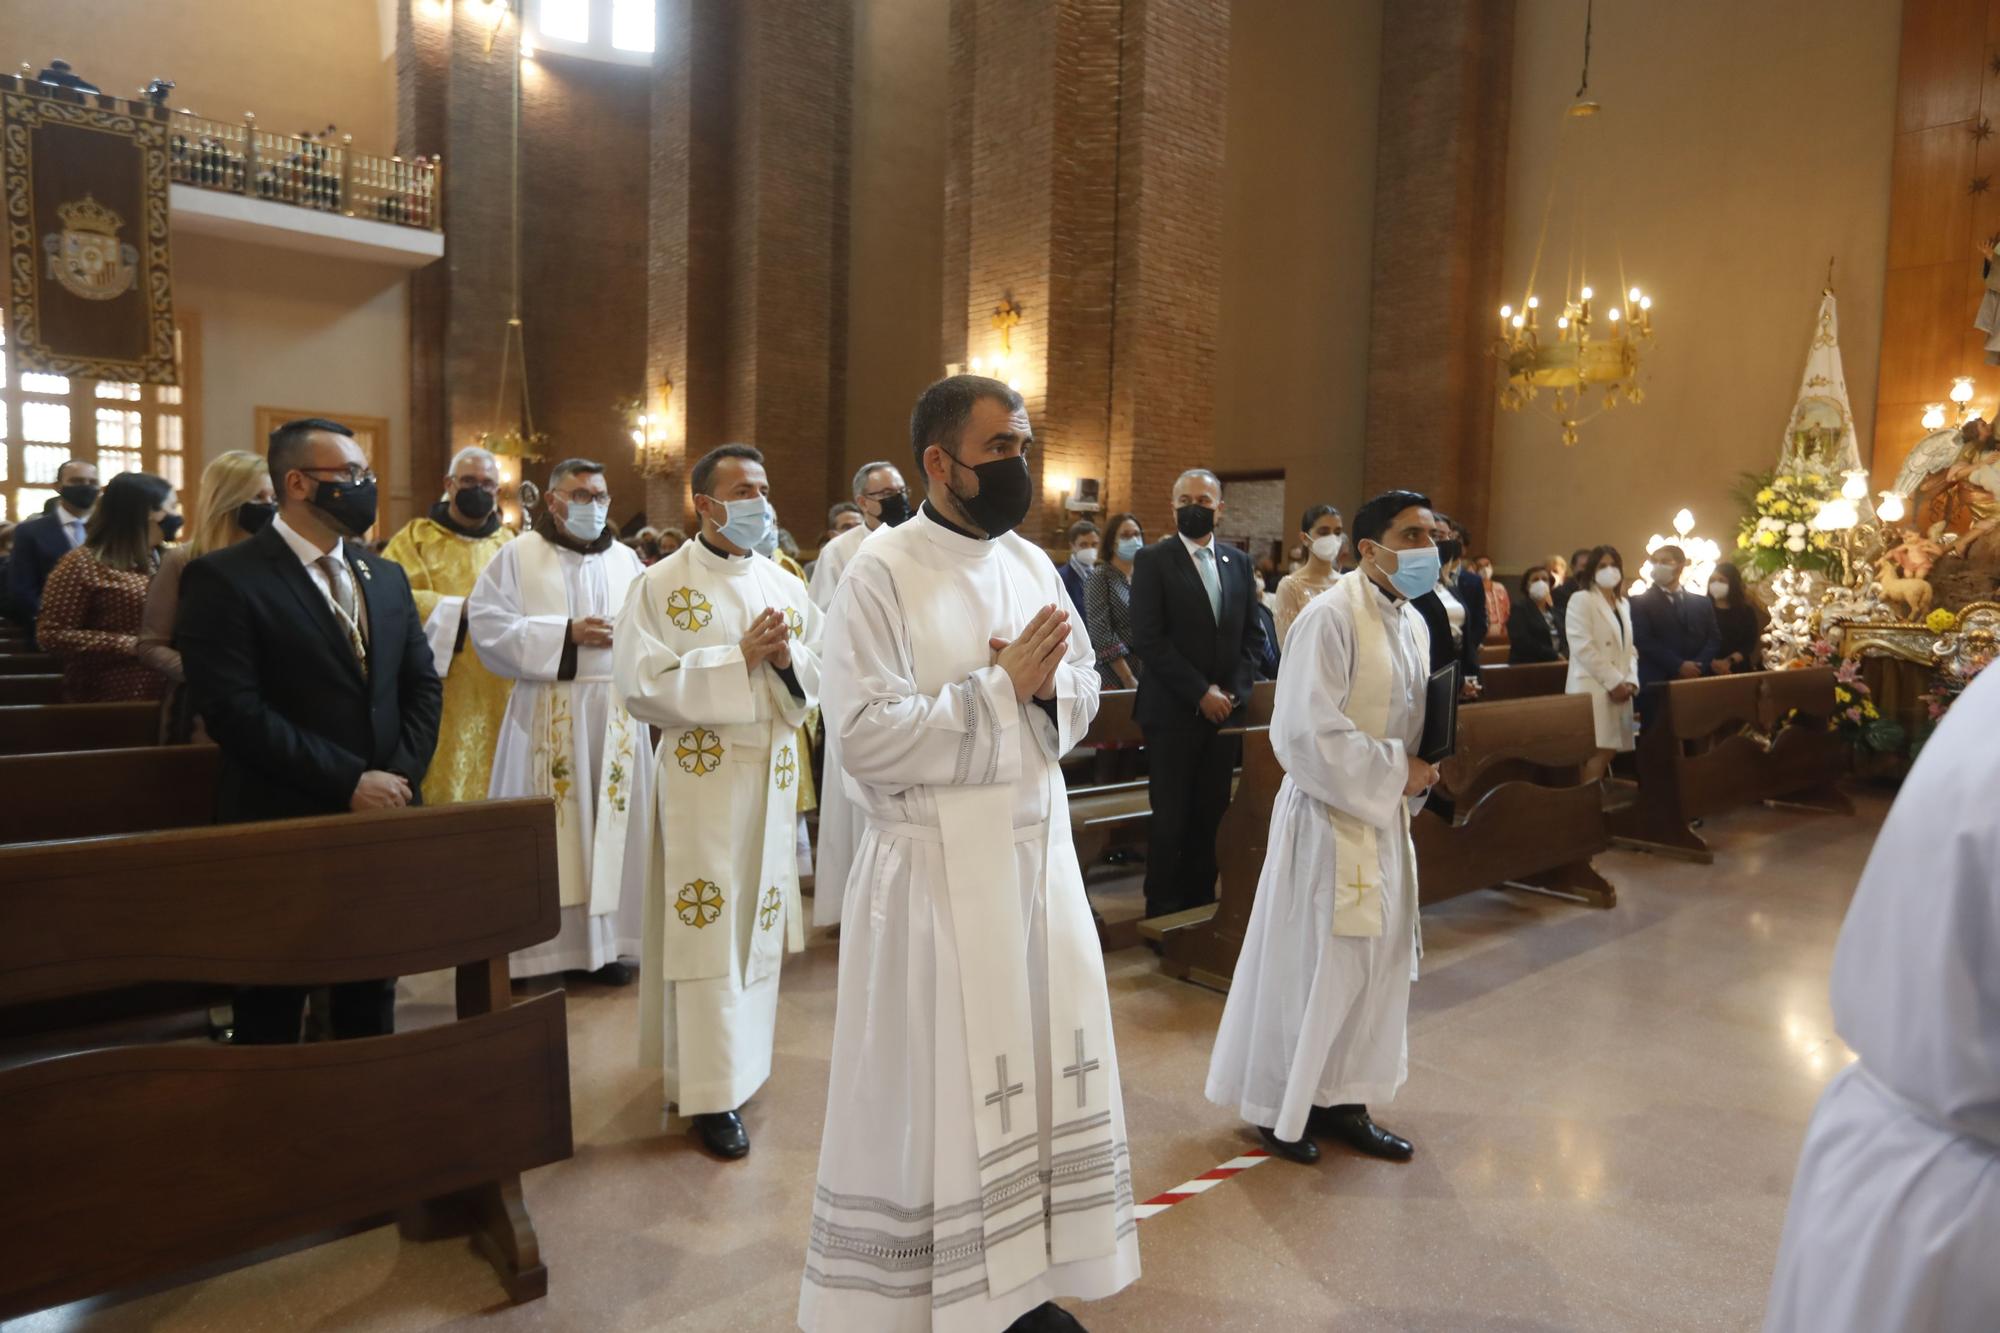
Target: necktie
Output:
{"points": [[1204, 560], [76, 533], [344, 608]]}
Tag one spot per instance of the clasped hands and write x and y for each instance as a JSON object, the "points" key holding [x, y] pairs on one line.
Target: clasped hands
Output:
{"points": [[1030, 659], [769, 639], [590, 632]]}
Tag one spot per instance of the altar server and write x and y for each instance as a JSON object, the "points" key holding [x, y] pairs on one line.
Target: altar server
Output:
{"points": [[1895, 1213], [541, 615], [1316, 1025], [974, 1165], [719, 648], [444, 554]]}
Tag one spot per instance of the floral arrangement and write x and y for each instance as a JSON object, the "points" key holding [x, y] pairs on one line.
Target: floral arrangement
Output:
{"points": [[1941, 621], [1855, 715], [1776, 530]]}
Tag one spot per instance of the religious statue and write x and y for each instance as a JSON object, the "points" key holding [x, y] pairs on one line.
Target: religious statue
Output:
{"points": [[1913, 593], [1977, 472]]}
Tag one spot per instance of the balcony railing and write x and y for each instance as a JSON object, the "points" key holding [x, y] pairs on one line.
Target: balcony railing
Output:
{"points": [[317, 173]]}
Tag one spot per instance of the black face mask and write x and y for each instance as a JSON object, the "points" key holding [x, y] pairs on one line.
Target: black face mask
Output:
{"points": [[1194, 521], [253, 517], [1449, 550], [79, 494], [896, 509], [348, 506], [170, 526], [1005, 492], [475, 502]]}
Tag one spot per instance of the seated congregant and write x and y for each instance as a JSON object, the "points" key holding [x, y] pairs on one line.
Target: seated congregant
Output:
{"points": [[96, 595], [1534, 627]]}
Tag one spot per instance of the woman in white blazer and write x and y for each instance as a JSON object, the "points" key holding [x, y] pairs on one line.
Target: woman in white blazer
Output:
{"points": [[1603, 662]]}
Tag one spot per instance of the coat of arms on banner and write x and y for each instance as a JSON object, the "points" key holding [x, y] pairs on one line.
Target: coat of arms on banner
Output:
{"points": [[86, 256]]}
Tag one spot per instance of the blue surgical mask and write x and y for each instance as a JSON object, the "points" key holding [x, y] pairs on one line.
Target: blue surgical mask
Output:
{"points": [[750, 523], [1129, 548], [1416, 571], [769, 546], [585, 521]]}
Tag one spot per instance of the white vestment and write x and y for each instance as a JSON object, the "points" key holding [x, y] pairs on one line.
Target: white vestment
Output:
{"points": [[974, 1163], [1895, 1214], [1318, 1010], [569, 740], [722, 884], [840, 819]]}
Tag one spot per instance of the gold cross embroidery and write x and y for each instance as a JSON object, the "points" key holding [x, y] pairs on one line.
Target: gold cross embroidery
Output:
{"points": [[1359, 885]]}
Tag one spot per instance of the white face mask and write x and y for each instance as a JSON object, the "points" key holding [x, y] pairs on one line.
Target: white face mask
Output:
{"points": [[1717, 588], [1327, 548], [585, 522], [1538, 589], [1609, 576], [1083, 556]]}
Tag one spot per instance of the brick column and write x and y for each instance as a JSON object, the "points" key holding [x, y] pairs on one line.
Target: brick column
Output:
{"points": [[1440, 202], [1095, 144], [747, 255]]}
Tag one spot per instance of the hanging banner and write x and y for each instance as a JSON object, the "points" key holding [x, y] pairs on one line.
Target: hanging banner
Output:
{"points": [[1821, 429], [89, 287]]}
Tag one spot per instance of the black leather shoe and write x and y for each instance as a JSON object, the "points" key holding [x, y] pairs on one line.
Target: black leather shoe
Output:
{"points": [[1303, 1151], [615, 974], [1048, 1317], [1350, 1125], [722, 1133]]}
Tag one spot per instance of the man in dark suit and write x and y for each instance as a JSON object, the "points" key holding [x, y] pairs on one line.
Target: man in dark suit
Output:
{"points": [[1193, 630], [1464, 585], [1675, 632], [48, 537], [308, 664]]}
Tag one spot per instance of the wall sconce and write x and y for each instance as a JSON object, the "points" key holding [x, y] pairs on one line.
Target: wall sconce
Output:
{"points": [[1961, 394]]}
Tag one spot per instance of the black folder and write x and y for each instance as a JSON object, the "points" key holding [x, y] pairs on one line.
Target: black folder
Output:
{"points": [[1440, 715]]}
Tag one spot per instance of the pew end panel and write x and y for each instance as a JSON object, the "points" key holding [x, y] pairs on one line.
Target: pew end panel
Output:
{"points": [[1204, 950]]}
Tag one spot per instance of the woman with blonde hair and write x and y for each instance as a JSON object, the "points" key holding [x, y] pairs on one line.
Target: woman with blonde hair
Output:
{"points": [[237, 501]]}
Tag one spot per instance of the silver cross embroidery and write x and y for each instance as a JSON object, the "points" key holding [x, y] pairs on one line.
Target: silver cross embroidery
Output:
{"points": [[1080, 1070], [1000, 1095]]}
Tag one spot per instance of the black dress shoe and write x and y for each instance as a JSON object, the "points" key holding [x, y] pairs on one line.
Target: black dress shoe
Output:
{"points": [[1350, 1125], [615, 973], [722, 1133], [1048, 1317], [1303, 1151]]}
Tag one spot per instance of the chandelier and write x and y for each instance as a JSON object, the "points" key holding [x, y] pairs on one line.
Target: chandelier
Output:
{"points": [[1590, 360]]}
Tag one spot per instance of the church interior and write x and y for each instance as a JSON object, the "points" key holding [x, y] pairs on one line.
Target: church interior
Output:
{"points": [[1652, 312]]}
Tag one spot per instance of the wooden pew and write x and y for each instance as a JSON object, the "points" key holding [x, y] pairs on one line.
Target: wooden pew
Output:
{"points": [[128, 1164], [30, 664], [1492, 654], [1530, 680], [1521, 814], [23, 690], [89, 793], [43, 728], [1723, 741], [1521, 819]]}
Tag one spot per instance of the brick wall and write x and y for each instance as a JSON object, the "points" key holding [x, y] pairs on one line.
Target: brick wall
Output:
{"points": [[1440, 205]]}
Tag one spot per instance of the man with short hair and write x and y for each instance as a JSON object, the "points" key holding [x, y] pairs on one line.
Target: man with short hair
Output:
{"points": [[444, 553], [974, 1165], [306, 660], [1317, 1021], [1083, 538], [843, 516], [540, 616], [884, 502], [41, 541], [1675, 632], [719, 648], [1193, 628], [882, 498]]}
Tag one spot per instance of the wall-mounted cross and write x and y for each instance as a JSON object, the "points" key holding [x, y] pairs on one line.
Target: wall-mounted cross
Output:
{"points": [[1080, 1070], [1005, 316], [1000, 1095]]}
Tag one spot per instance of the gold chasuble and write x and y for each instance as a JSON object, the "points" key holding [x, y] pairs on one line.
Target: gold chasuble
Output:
{"points": [[443, 564]]}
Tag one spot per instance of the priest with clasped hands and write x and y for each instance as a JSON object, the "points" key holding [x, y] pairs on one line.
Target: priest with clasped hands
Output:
{"points": [[718, 647], [1317, 1021], [974, 1165]]}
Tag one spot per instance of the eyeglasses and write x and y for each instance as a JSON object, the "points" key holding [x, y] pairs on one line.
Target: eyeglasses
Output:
{"points": [[584, 497], [879, 496], [352, 475]]}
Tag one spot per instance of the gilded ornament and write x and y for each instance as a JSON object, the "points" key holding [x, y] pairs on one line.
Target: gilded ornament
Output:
{"points": [[787, 767], [699, 903], [688, 609], [698, 751]]}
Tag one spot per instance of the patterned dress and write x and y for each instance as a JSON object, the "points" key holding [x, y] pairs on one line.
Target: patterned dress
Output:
{"points": [[90, 619]]}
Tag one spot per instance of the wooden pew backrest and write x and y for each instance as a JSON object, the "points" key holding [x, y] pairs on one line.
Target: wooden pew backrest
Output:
{"points": [[29, 664], [91, 793], [1526, 681], [46, 728], [44, 689]]}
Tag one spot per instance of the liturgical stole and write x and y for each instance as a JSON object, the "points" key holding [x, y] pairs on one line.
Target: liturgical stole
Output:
{"points": [[589, 869], [1357, 877]]}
